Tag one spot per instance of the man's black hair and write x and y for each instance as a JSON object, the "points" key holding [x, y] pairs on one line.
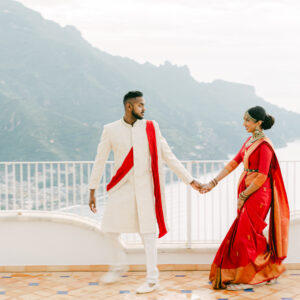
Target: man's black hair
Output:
{"points": [[131, 95]]}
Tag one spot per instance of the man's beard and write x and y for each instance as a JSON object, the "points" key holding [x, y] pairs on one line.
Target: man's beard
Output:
{"points": [[137, 116]]}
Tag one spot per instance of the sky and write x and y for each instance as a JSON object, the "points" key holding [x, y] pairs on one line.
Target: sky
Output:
{"points": [[256, 42]]}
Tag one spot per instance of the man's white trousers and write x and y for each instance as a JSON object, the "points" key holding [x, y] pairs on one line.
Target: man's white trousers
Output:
{"points": [[150, 244]]}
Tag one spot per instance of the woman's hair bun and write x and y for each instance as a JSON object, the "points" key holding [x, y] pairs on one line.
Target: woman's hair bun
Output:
{"points": [[268, 122]]}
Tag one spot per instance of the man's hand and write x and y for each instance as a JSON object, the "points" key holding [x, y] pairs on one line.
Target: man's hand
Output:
{"points": [[92, 202], [196, 185]]}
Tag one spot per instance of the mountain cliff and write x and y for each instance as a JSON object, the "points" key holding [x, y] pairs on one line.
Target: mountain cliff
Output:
{"points": [[57, 92]]}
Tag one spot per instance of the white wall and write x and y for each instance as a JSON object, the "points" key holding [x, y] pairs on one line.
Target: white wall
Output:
{"points": [[47, 238], [294, 240], [42, 238]]}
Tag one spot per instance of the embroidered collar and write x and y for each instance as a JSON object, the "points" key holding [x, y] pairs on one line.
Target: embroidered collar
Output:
{"points": [[136, 123]]}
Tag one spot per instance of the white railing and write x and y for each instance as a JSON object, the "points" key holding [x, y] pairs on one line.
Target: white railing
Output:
{"points": [[193, 218]]}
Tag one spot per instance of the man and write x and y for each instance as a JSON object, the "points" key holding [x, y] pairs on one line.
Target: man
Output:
{"points": [[136, 198]]}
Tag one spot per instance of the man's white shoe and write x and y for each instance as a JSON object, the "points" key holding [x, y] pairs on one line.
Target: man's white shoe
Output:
{"points": [[113, 274], [147, 288]]}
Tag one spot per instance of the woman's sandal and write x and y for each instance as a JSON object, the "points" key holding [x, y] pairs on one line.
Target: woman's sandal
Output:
{"points": [[272, 281], [238, 286]]}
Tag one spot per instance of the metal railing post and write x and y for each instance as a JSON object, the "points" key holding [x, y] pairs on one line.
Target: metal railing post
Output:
{"points": [[189, 210]]}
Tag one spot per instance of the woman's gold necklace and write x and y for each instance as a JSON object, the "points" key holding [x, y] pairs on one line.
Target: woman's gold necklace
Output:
{"points": [[256, 136]]}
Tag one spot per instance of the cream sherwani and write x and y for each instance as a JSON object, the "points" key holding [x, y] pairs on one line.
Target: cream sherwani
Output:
{"points": [[131, 203]]}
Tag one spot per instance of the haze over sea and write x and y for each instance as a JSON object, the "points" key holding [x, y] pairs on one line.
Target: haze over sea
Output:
{"points": [[290, 152]]}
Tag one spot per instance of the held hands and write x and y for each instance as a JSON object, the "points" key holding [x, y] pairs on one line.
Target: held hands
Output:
{"points": [[209, 186], [206, 188], [196, 185]]}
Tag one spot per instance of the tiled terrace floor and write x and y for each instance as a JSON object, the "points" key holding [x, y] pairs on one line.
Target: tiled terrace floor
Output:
{"points": [[174, 285]]}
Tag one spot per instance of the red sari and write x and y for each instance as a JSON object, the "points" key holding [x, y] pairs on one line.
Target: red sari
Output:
{"points": [[245, 256]]}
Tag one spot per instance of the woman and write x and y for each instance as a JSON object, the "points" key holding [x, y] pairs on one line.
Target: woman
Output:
{"points": [[245, 258]]}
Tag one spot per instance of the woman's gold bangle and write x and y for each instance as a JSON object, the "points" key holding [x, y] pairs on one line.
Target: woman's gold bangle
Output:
{"points": [[214, 182], [242, 196]]}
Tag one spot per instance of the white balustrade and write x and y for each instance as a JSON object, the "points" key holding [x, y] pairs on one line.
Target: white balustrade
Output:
{"points": [[193, 218]]}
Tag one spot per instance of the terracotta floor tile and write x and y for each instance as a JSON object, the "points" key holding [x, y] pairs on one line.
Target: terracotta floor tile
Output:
{"points": [[172, 283]]}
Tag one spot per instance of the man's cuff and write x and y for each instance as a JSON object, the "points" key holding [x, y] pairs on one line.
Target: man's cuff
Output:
{"points": [[189, 179], [93, 186]]}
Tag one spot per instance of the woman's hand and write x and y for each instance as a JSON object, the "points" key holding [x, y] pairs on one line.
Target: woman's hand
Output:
{"points": [[242, 198], [240, 204]]}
